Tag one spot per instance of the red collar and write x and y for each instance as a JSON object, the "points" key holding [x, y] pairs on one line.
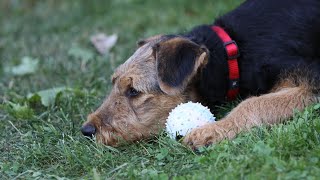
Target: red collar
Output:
{"points": [[232, 52]]}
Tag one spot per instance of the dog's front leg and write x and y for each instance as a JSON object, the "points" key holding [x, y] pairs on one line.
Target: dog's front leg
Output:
{"points": [[266, 109]]}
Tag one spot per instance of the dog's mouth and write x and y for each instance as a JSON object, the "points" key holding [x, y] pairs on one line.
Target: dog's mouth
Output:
{"points": [[101, 135], [109, 138], [115, 137], [94, 129], [106, 134]]}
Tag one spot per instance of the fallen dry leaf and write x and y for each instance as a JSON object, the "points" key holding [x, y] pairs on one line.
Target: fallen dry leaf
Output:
{"points": [[28, 65], [103, 43]]}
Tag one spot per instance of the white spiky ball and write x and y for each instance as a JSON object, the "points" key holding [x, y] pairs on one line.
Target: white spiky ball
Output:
{"points": [[186, 117]]}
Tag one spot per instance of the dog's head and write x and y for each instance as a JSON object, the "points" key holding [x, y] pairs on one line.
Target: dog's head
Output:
{"points": [[155, 79]]}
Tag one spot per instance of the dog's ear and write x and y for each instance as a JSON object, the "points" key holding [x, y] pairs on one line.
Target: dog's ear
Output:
{"points": [[178, 60], [147, 40]]}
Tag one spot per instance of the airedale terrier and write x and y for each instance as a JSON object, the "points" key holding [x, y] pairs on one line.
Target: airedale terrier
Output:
{"points": [[267, 51]]}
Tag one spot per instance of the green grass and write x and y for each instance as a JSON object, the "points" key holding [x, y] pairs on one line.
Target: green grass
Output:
{"points": [[38, 142]]}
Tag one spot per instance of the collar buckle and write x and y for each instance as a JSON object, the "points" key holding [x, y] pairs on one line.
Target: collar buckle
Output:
{"points": [[231, 53]]}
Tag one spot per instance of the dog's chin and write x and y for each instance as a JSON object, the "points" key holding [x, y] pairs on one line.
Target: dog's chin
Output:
{"points": [[108, 138], [115, 139]]}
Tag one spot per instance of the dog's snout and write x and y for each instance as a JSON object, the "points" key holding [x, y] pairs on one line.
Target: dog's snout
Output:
{"points": [[88, 130]]}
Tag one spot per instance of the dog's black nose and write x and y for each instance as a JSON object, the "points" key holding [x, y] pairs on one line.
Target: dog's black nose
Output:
{"points": [[88, 130]]}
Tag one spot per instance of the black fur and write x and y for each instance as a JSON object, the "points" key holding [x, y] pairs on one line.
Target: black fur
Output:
{"points": [[175, 64], [273, 36]]}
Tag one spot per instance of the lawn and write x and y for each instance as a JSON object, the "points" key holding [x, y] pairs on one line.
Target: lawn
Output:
{"points": [[40, 139]]}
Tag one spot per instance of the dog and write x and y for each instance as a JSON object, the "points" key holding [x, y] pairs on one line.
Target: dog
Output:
{"points": [[264, 51]]}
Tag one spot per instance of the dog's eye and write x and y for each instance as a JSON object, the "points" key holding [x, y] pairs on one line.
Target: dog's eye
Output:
{"points": [[133, 92]]}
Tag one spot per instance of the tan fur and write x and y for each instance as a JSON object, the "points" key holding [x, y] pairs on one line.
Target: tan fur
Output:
{"points": [[270, 108], [131, 119]]}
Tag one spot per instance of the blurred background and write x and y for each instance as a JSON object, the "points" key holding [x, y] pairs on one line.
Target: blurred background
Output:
{"points": [[48, 29]]}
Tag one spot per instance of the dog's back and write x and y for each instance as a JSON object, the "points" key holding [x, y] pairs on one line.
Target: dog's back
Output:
{"points": [[279, 43], [274, 36]]}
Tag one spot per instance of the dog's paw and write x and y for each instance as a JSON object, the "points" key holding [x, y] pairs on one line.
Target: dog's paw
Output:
{"points": [[203, 136]]}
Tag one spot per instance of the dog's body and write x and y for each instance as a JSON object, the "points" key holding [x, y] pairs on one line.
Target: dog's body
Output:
{"points": [[272, 36], [276, 40]]}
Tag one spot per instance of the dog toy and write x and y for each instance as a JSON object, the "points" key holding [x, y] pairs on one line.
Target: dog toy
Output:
{"points": [[186, 117]]}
